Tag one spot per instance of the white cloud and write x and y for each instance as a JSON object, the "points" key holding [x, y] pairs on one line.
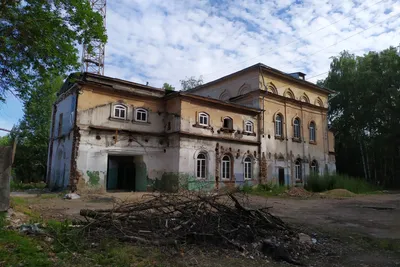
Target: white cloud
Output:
{"points": [[165, 41]]}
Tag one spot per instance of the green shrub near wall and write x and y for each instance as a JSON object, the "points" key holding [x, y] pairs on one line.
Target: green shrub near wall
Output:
{"points": [[322, 183]]}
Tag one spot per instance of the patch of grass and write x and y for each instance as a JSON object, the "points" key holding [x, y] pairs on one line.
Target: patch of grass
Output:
{"points": [[20, 186], [20, 250], [320, 183], [265, 189], [22, 205]]}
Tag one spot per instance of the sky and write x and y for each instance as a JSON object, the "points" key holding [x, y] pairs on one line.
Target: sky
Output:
{"points": [[161, 41]]}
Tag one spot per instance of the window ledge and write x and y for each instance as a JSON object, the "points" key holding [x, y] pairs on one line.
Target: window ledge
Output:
{"points": [[226, 130], [279, 137], [248, 179], [248, 133], [202, 126], [141, 122], [313, 142], [118, 119], [296, 140]]}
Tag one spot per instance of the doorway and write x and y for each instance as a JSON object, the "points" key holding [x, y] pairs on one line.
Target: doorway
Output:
{"points": [[121, 173], [281, 176]]}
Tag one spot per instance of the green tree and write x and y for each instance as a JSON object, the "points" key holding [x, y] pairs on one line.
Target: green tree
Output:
{"points": [[191, 82], [33, 131], [5, 140], [168, 87], [39, 38], [365, 114]]}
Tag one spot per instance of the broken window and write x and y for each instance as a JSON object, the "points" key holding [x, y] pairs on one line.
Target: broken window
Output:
{"points": [[249, 127], [248, 168], [228, 123], [314, 167], [141, 115], [226, 167], [119, 112], [201, 166], [297, 169], [312, 132], [203, 119], [296, 128], [278, 125]]}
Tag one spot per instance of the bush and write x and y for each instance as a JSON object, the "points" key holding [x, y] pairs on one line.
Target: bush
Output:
{"points": [[317, 183]]}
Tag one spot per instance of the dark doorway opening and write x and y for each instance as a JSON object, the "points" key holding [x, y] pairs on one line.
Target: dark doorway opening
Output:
{"points": [[281, 176], [121, 173]]}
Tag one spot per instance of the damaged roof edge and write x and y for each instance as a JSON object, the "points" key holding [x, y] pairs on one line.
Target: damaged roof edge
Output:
{"points": [[85, 77], [269, 69]]}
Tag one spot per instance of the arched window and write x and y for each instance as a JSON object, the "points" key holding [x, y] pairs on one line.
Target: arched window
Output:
{"points": [[119, 112], [228, 123], [201, 166], [203, 119], [312, 132], [141, 115], [296, 128], [297, 169], [226, 167], [279, 125], [248, 169], [249, 127], [314, 167]]}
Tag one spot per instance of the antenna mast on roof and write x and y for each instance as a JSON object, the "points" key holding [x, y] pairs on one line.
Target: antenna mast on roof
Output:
{"points": [[94, 62]]}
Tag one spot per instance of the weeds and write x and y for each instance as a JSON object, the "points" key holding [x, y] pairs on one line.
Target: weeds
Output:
{"points": [[19, 186], [322, 183], [265, 189]]}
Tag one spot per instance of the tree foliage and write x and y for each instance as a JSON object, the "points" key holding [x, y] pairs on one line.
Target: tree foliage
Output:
{"points": [[33, 131], [191, 82], [38, 38], [365, 114], [168, 87]]}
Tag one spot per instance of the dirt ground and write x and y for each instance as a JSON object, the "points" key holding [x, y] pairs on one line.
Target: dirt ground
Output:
{"points": [[362, 230]]}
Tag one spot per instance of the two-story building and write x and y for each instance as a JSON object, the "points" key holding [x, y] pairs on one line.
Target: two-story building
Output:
{"points": [[257, 125]]}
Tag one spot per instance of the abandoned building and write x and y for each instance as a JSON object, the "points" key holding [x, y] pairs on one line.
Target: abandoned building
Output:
{"points": [[257, 125]]}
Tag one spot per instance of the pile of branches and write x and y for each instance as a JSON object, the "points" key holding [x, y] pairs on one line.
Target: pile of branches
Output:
{"points": [[219, 219]]}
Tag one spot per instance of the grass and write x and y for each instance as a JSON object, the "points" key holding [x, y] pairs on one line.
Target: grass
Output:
{"points": [[20, 250], [337, 181], [19, 186], [265, 189]]}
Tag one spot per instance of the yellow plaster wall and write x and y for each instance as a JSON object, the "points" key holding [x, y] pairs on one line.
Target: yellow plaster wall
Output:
{"points": [[306, 115], [90, 98], [298, 89], [190, 110]]}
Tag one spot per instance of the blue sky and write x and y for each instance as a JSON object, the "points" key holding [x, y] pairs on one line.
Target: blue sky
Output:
{"points": [[164, 41]]}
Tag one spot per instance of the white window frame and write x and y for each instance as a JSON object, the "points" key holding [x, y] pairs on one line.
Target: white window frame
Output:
{"points": [[119, 108], [296, 128], [226, 167], [312, 132], [297, 170], [278, 125], [250, 125], [204, 116], [141, 110], [314, 167], [201, 173], [248, 168]]}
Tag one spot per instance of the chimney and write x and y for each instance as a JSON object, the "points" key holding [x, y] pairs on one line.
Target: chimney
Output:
{"points": [[298, 75]]}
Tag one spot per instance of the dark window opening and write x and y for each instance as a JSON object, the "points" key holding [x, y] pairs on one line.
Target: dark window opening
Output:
{"points": [[228, 123]]}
